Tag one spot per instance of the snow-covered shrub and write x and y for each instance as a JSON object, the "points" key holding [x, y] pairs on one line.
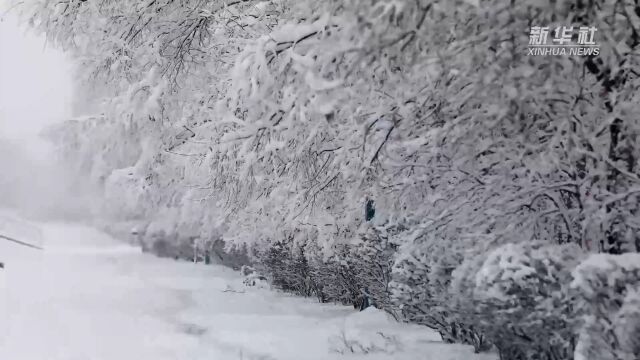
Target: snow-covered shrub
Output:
{"points": [[521, 299], [606, 290], [372, 258], [252, 277], [461, 295], [362, 266], [422, 275], [231, 256], [335, 277], [627, 327], [353, 269], [288, 268], [359, 268], [301, 273]]}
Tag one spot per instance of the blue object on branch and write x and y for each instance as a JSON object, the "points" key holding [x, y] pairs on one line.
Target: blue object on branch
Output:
{"points": [[370, 210]]}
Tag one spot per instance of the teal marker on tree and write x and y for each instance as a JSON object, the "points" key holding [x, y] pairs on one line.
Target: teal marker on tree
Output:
{"points": [[370, 210]]}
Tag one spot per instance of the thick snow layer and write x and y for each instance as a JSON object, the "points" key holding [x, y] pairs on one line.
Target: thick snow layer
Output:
{"points": [[89, 297]]}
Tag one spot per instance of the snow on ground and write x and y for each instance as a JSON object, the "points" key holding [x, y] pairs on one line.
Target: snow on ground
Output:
{"points": [[89, 297]]}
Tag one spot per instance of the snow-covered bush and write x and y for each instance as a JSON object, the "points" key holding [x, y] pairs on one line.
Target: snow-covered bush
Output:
{"points": [[628, 325], [234, 257], [335, 277], [357, 269], [522, 301], [422, 276], [351, 271], [252, 277], [606, 290], [372, 257], [288, 268]]}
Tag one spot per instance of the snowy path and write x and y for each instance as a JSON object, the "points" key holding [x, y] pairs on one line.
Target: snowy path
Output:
{"points": [[89, 297]]}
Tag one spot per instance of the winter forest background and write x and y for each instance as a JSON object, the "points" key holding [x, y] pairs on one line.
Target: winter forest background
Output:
{"points": [[405, 149]]}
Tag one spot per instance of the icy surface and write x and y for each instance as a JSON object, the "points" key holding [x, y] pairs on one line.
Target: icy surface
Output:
{"points": [[89, 297]]}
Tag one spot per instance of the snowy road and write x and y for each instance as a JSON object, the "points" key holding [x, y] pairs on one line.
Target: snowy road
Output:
{"points": [[89, 297]]}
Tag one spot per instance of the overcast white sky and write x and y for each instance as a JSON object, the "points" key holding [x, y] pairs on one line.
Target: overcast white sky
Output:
{"points": [[35, 81]]}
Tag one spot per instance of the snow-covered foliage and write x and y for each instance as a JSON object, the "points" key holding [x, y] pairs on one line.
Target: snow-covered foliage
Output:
{"points": [[270, 125], [522, 302], [608, 303]]}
